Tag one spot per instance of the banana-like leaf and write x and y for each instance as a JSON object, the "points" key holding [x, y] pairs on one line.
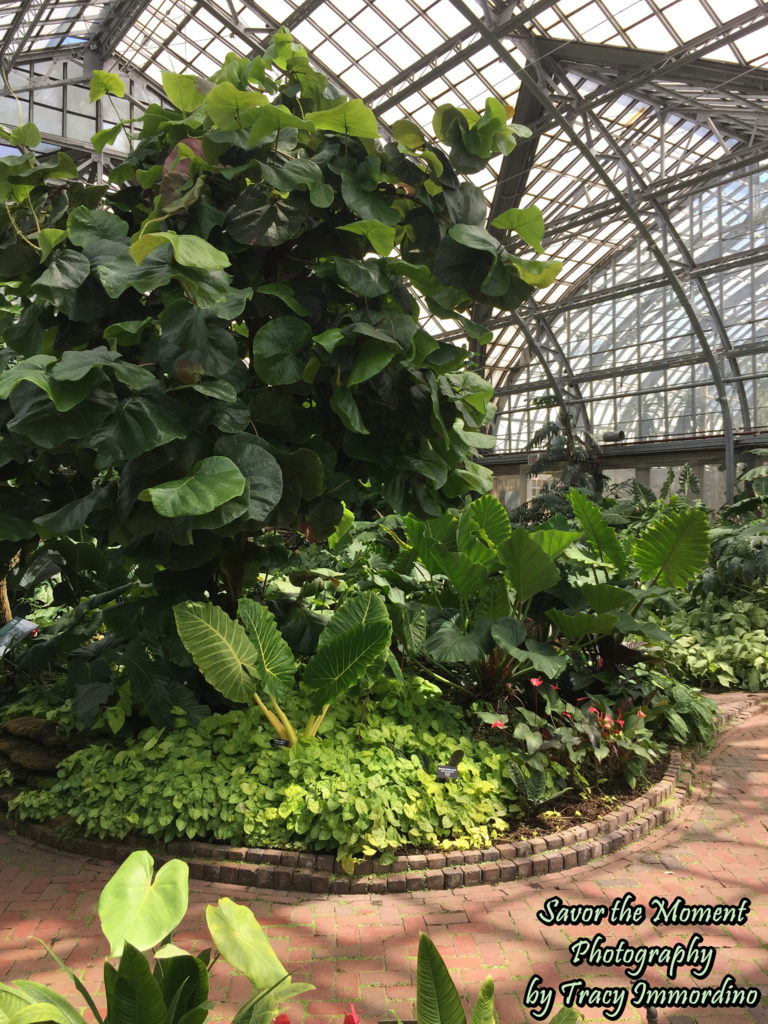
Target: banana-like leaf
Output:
{"points": [[220, 648], [529, 568], [135, 995], [598, 534], [437, 1001], [672, 550], [37, 993], [132, 908], [357, 636], [483, 1011], [274, 667], [239, 938]]}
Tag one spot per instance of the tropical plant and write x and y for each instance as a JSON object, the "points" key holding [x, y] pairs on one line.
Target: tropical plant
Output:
{"points": [[226, 338], [234, 659], [138, 914]]}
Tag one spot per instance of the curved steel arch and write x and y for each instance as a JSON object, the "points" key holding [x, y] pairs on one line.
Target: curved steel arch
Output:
{"points": [[668, 226], [562, 121]]}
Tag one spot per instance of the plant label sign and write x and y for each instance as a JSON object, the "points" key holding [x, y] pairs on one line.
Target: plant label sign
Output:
{"points": [[14, 631]]}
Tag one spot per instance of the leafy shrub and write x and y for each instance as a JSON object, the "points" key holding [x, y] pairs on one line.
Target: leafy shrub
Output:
{"points": [[721, 642], [359, 789]]}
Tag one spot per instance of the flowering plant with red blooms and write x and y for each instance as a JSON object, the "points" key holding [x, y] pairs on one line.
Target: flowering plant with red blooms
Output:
{"points": [[536, 681], [498, 725], [351, 1017], [282, 1018]]}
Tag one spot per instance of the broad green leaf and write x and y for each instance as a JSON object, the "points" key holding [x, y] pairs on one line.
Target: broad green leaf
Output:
{"points": [[345, 407], [539, 273], [103, 82], [491, 519], [188, 250], [408, 133], [101, 139], [66, 269], [467, 577], [87, 227], [134, 909], [601, 537], [475, 237], [528, 223], [448, 642], [673, 549], [183, 91], [300, 173], [509, 633], [48, 239], [528, 568], [74, 365], [381, 236], [359, 637], [212, 482], [274, 666], [603, 597], [272, 118], [365, 203], [37, 993], [26, 135], [135, 995], [437, 1001], [239, 938], [577, 625], [229, 107], [351, 117], [32, 369], [278, 349], [362, 277], [555, 542], [73, 515], [286, 294], [138, 424], [260, 469], [372, 357], [12, 528], [219, 647]]}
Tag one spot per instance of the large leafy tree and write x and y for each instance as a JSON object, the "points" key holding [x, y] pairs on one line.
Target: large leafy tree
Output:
{"points": [[227, 336]]}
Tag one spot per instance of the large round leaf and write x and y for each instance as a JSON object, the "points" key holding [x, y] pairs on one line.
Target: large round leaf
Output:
{"points": [[673, 549], [212, 482], [134, 909], [238, 937]]}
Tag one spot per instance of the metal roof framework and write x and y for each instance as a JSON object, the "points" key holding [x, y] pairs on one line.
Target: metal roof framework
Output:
{"points": [[648, 159]]}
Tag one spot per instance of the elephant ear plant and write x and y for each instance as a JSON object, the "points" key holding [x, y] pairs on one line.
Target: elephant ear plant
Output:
{"points": [[227, 339], [138, 914], [234, 659]]}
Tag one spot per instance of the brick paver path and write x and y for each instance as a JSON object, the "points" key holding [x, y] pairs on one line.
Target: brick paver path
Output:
{"points": [[363, 948]]}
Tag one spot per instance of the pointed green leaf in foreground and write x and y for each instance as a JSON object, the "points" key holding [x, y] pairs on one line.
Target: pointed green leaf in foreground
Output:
{"points": [[673, 549], [219, 647], [41, 994], [437, 1001], [529, 569], [132, 908], [483, 1011], [239, 938], [274, 666], [598, 534], [135, 997]]}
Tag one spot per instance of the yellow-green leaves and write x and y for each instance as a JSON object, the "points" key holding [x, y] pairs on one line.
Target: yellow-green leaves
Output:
{"points": [[188, 250], [351, 117], [103, 82], [187, 92]]}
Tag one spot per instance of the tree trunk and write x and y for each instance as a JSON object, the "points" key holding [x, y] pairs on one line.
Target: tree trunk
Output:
{"points": [[5, 608]]}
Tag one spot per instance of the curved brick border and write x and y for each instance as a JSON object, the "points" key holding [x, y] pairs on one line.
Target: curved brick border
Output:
{"points": [[504, 862]]}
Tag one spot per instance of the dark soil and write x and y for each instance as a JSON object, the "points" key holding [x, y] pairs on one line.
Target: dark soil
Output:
{"points": [[568, 810]]}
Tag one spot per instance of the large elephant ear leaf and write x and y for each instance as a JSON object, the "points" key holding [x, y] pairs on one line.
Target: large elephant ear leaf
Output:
{"points": [[529, 568], [132, 908], [598, 534], [437, 1001], [219, 647], [239, 938], [274, 665], [672, 550], [356, 638]]}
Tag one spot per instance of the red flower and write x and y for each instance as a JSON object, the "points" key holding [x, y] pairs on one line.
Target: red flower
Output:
{"points": [[536, 681], [545, 734], [641, 714], [282, 1018], [351, 1017], [596, 710], [579, 700], [498, 725], [566, 714]]}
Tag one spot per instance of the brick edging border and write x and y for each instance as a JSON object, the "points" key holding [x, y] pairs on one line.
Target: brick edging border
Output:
{"points": [[285, 870]]}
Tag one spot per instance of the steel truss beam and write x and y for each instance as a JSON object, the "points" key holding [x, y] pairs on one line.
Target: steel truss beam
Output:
{"points": [[629, 211], [24, 24]]}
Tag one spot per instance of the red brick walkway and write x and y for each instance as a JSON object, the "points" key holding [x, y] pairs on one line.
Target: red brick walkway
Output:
{"points": [[363, 948]]}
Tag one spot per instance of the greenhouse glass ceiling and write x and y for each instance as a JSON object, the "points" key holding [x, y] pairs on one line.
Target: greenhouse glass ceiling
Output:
{"points": [[648, 159]]}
